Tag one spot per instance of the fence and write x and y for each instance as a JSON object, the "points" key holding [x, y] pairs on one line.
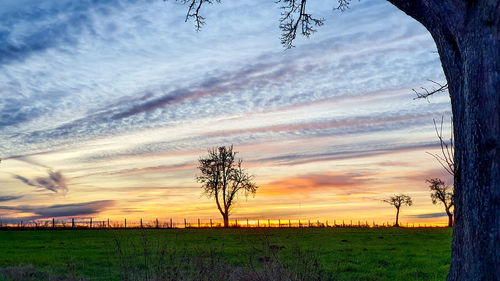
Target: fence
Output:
{"points": [[93, 223]]}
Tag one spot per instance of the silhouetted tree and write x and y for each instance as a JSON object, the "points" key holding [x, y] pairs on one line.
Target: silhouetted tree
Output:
{"points": [[223, 178], [398, 201], [442, 193], [466, 36]]}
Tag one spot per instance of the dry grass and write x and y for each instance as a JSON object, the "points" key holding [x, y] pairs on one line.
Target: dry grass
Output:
{"points": [[150, 261]]}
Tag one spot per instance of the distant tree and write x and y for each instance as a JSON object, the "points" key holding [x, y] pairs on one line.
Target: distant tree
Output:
{"points": [[223, 178], [398, 201], [442, 193]]}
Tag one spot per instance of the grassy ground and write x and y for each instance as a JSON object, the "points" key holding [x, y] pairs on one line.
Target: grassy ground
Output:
{"points": [[341, 253]]}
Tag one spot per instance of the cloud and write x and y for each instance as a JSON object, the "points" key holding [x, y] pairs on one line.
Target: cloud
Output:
{"points": [[9, 198], [55, 182], [80, 78], [428, 216], [179, 88], [64, 210], [34, 27], [428, 174], [346, 152], [351, 183]]}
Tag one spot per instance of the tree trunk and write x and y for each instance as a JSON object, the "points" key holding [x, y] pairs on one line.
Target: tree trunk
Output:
{"points": [[476, 109], [467, 35], [226, 220], [468, 41], [397, 217]]}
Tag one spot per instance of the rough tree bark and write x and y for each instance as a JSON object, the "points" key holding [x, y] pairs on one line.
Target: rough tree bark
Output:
{"points": [[467, 35]]}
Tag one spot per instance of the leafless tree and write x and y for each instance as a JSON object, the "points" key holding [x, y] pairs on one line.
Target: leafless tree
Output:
{"points": [[442, 194], [397, 201], [223, 178]]}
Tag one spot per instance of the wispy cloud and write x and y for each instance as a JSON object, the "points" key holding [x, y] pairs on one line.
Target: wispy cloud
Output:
{"points": [[9, 198], [317, 183], [125, 94], [338, 153], [428, 216], [64, 210], [55, 182]]}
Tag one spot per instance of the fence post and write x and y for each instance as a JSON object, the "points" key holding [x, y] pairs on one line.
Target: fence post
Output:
{"points": [[343, 224], [90, 222], [199, 223], [299, 222], [210, 223], [309, 223], [247, 222], [157, 224], [171, 225], [359, 224], [108, 224], [53, 223], [318, 223], [268, 222], [141, 222], [185, 223], [125, 223], [258, 223], [72, 222], [335, 223], [279, 223]]}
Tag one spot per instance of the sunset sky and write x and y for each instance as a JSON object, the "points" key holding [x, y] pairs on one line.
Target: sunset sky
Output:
{"points": [[106, 107]]}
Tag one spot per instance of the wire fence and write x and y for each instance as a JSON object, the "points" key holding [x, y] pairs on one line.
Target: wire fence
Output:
{"points": [[99, 223]]}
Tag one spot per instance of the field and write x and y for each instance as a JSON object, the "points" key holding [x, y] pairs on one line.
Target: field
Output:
{"points": [[226, 254]]}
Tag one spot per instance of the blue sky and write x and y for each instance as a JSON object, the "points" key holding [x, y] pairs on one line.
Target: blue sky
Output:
{"points": [[107, 105]]}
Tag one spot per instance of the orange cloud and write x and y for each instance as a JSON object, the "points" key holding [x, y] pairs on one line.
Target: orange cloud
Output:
{"points": [[310, 183]]}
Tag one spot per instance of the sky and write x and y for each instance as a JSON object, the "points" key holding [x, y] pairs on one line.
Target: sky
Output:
{"points": [[106, 107]]}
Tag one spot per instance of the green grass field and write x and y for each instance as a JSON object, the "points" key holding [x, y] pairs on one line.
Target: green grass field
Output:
{"points": [[340, 253]]}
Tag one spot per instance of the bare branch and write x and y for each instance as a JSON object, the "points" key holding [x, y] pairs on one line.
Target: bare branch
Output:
{"points": [[447, 159], [293, 16], [343, 5], [194, 7], [425, 93]]}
